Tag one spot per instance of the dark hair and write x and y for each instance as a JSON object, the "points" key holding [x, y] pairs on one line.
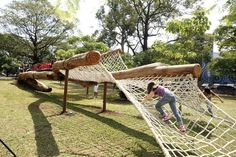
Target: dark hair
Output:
{"points": [[150, 87], [207, 90]]}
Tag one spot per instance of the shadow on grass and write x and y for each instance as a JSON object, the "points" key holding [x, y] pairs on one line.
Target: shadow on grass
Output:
{"points": [[46, 144], [143, 152], [112, 123]]}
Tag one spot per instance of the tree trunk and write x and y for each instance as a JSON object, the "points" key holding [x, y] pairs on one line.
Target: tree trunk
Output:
{"points": [[145, 36]]}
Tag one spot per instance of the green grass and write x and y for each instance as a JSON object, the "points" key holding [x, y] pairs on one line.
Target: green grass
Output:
{"points": [[30, 124]]}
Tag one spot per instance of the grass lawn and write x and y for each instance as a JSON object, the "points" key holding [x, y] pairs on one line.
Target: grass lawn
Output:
{"points": [[30, 124]]}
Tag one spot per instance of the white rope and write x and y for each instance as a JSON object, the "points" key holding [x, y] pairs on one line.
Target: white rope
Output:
{"points": [[205, 136]]}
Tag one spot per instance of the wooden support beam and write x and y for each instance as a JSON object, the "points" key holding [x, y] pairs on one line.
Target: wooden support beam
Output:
{"points": [[65, 91], [87, 91], [88, 58], [104, 97], [154, 70]]}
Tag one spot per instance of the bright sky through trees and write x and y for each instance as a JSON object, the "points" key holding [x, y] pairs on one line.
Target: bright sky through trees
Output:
{"points": [[88, 8]]}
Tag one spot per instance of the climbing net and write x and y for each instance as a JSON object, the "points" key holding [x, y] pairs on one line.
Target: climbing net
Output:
{"points": [[208, 133]]}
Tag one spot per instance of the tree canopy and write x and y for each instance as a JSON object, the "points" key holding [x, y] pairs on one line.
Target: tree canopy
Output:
{"points": [[75, 45], [37, 24], [132, 22], [225, 36], [190, 42]]}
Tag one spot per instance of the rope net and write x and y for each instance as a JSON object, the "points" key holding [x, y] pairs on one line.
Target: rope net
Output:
{"points": [[209, 132]]}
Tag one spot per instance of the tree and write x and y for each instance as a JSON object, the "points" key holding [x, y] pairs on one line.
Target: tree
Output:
{"points": [[12, 44], [133, 21], [190, 45], [226, 40], [76, 45], [37, 24], [88, 43], [12, 53], [8, 64], [118, 24]]}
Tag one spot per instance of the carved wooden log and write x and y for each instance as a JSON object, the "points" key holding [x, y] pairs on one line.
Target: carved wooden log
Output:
{"points": [[39, 86], [88, 58], [154, 70], [46, 75]]}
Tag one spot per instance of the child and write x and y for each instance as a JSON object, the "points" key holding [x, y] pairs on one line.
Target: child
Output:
{"points": [[95, 91], [209, 94], [167, 97]]}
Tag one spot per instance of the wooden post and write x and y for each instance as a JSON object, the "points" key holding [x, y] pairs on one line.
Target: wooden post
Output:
{"points": [[104, 97], [65, 91], [87, 91]]}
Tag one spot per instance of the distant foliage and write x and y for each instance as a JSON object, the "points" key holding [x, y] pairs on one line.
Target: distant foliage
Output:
{"points": [[75, 45], [225, 36], [36, 23], [128, 60], [131, 23], [146, 57], [191, 43]]}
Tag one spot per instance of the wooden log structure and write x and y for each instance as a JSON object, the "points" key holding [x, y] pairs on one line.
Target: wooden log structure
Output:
{"points": [[159, 70], [45, 75], [92, 58], [88, 58]]}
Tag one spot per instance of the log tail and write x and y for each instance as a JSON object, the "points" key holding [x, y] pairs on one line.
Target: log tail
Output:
{"points": [[46, 75], [36, 85]]}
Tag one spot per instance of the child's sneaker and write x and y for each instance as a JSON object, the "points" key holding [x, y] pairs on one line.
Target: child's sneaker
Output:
{"points": [[166, 117], [182, 128]]}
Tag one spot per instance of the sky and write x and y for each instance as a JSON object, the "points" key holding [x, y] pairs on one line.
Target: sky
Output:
{"points": [[88, 8]]}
